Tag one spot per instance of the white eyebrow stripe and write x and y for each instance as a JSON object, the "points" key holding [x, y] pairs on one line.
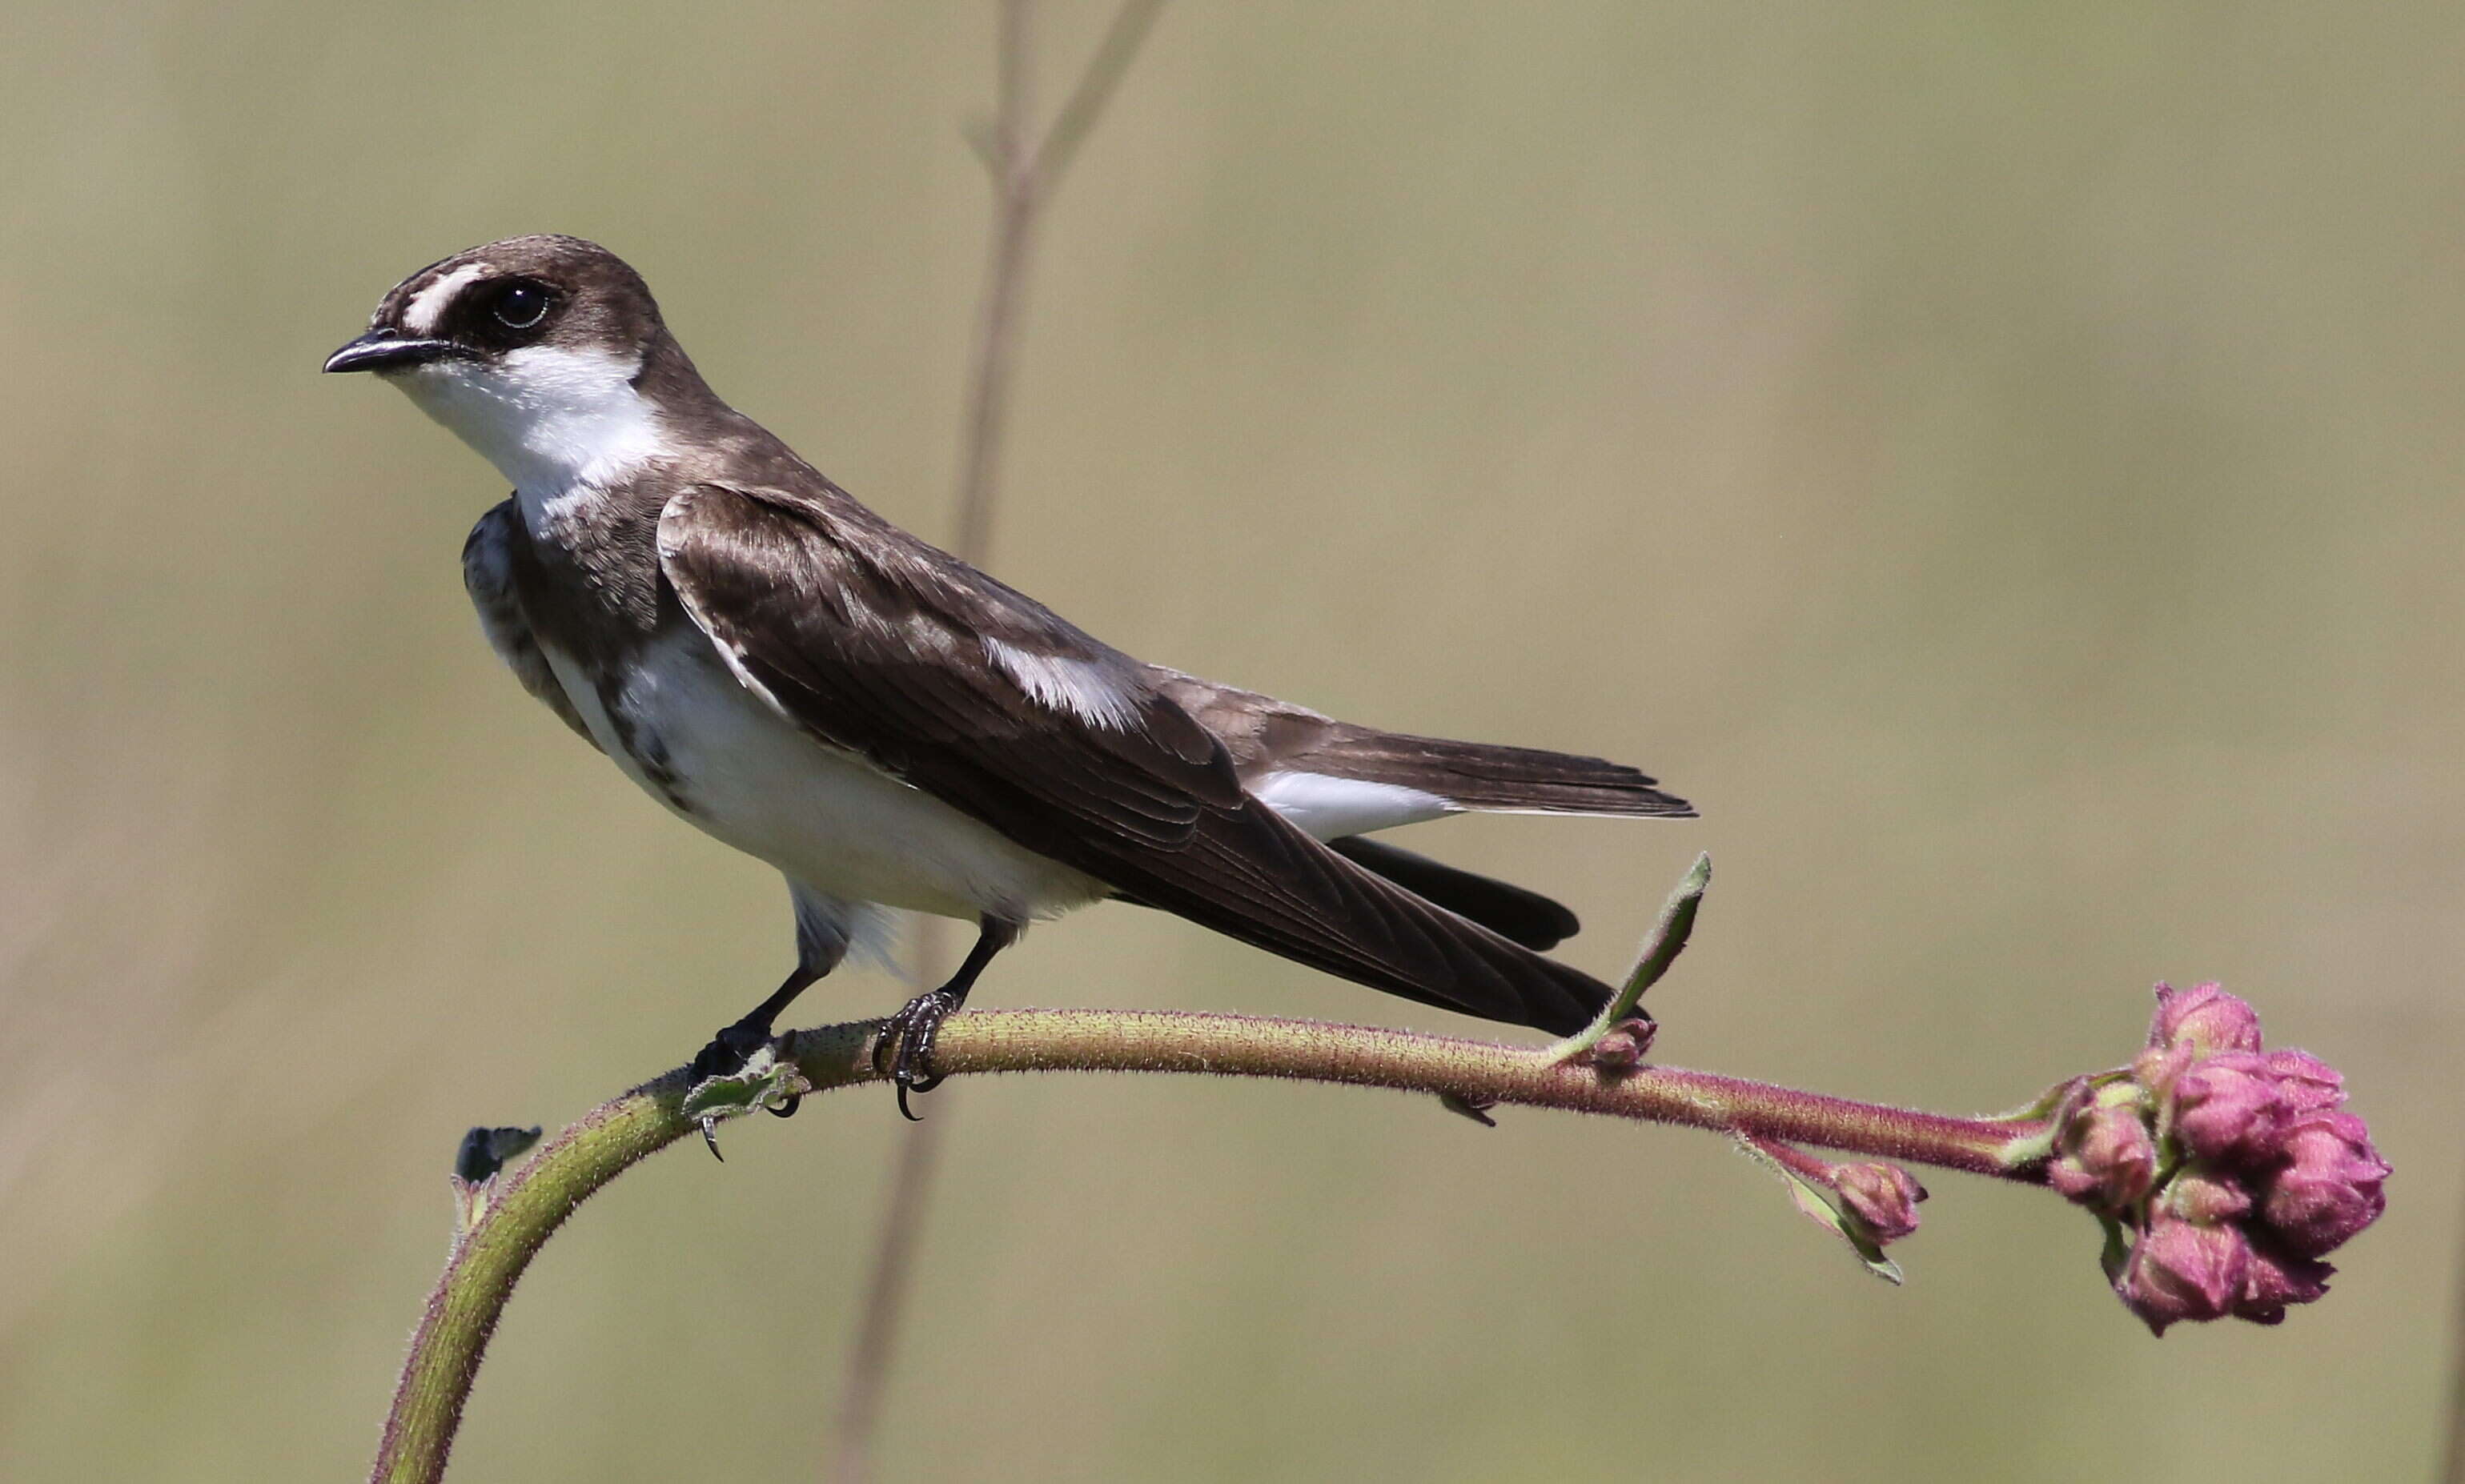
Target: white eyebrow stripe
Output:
{"points": [[428, 305]]}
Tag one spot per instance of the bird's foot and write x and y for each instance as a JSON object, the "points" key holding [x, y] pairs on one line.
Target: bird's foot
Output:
{"points": [[906, 1045], [737, 1072], [729, 1052], [731, 1049]]}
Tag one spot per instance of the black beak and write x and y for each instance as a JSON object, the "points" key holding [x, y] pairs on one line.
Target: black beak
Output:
{"points": [[382, 350]]}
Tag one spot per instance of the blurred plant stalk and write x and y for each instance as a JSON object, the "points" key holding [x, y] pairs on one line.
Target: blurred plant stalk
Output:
{"points": [[1024, 172]]}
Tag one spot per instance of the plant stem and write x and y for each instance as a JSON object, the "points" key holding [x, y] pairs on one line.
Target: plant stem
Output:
{"points": [[885, 1299], [537, 1196], [488, 1259], [1011, 161], [917, 1156], [1478, 1072], [1024, 172]]}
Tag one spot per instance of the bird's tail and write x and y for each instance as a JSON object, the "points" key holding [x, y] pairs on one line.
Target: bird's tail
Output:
{"points": [[1486, 776], [1516, 914], [1255, 876]]}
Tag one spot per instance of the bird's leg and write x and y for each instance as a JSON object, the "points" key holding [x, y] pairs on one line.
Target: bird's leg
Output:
{"points": [[908, 1035], [733, 1046], [824, 924], [729, 1051]]}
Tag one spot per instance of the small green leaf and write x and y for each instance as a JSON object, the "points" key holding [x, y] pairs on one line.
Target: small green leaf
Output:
{"points": [[1660, 949], [2117, 1253], [763, 1082]]}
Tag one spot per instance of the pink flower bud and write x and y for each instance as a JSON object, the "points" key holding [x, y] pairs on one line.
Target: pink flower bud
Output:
{"points": [[2156, 1068], [2309, 1084], [2204, 1017], [1881, 1197], [2203, 1197], [2181, 1269], [2274, 1278], [2330, 1188], [2273, 1172], [2228, 1106], [2103, 1156], [1621, 1049]]}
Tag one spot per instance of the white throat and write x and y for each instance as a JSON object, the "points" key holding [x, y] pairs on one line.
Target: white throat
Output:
{"points": [[551, 419]]}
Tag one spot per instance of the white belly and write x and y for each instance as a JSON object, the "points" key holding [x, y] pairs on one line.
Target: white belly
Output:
{"points": [[749, 777]]}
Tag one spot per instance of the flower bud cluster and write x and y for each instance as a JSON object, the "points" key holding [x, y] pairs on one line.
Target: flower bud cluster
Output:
{"points": [[2233, 1169]]}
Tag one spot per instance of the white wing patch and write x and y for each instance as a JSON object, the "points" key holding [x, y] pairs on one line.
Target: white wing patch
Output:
{"points": [[1081, 687], [1333, 807]]}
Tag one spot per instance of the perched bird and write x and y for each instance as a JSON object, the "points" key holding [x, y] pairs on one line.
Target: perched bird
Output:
{"points": [[895, 730]]}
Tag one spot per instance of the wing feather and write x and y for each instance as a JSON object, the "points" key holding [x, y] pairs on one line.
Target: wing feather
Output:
{"points": [[496, 543], [876, 643]]}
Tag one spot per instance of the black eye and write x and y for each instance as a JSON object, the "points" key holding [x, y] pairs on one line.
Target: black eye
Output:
{"points": [[519, 306]]}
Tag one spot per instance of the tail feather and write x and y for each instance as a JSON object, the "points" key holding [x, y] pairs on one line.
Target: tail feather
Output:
{"points": [[1254, 875], [1510, 911], [1488, 776]]}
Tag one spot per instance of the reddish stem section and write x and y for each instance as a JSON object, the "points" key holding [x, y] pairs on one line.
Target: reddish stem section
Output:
{"points": [[1479, 1072]]}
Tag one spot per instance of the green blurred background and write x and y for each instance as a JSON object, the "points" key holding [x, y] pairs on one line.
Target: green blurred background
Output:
{"points": [[2000, 461]]}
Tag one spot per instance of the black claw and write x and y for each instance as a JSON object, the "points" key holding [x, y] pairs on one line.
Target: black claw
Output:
{"points": [[903, 1050], [785, 1107], [908, 1042], [710, 1137]]}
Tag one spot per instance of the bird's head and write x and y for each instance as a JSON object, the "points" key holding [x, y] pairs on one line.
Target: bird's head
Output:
{"points": [[533, 350]]}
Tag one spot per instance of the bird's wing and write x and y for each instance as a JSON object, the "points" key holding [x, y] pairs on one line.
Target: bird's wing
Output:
{"points": [[879, 644], [489, 557]]}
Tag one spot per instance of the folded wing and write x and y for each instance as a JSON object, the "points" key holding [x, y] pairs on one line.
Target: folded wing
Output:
{"points": [[943, 676]]}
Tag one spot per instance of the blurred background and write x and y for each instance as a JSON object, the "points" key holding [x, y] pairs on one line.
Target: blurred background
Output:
{"points": [[2001, 461]]}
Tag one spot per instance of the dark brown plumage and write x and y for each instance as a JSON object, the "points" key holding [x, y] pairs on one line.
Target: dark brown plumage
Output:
{"points": [[873, 640]]}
